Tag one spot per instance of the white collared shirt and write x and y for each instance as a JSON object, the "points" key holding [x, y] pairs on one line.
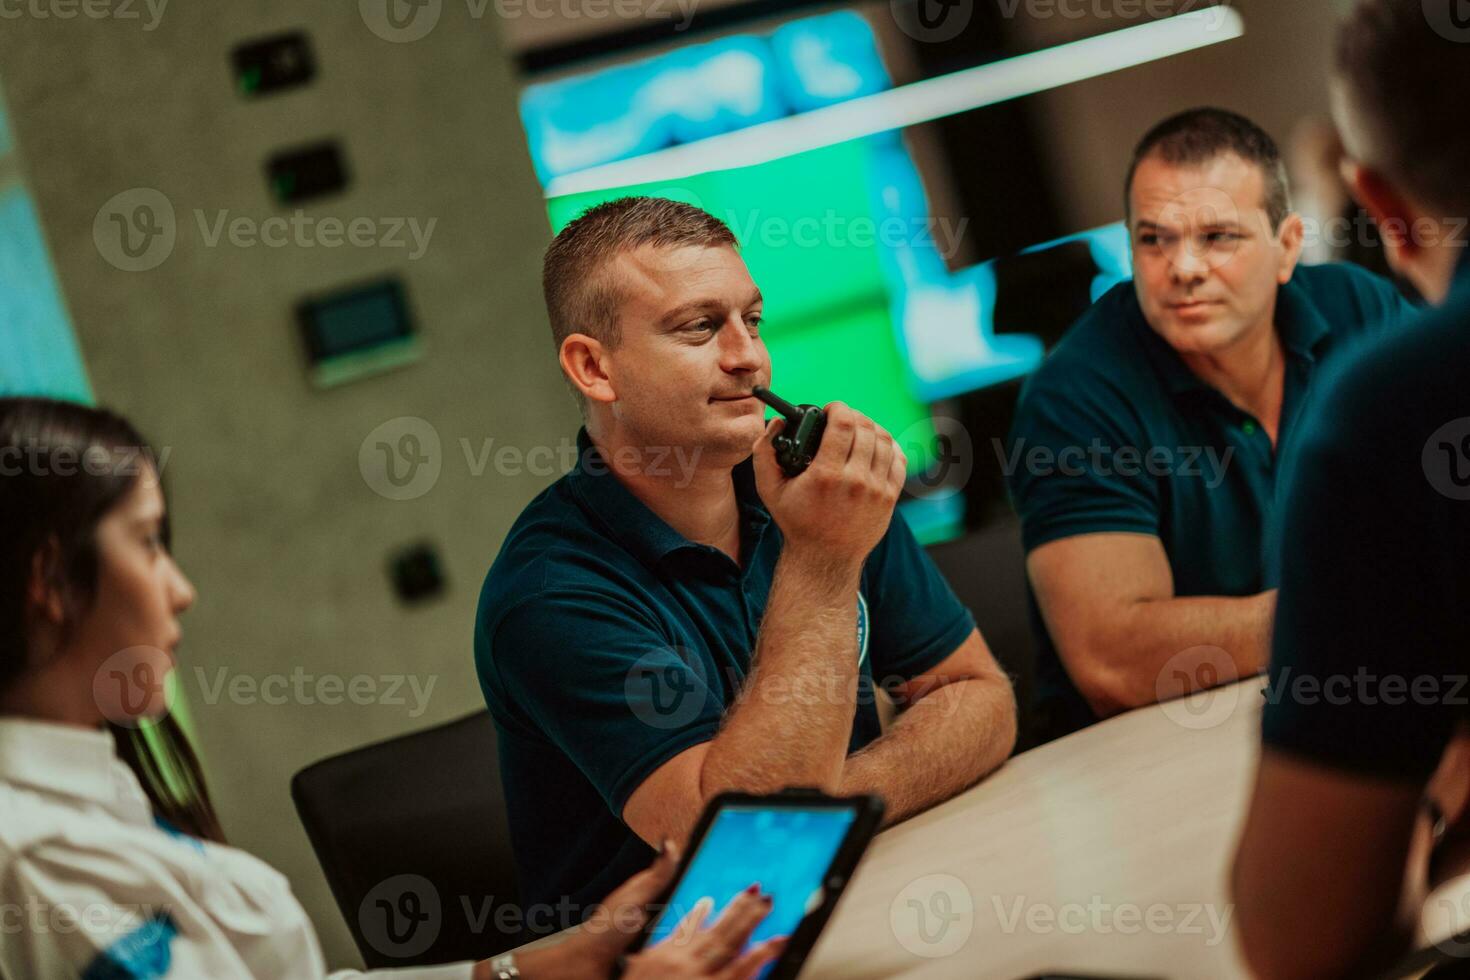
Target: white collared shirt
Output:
{"points": [[92, 886]]}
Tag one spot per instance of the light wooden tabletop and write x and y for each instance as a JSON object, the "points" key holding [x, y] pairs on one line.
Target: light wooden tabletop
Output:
{"points": [[1105, 852]]}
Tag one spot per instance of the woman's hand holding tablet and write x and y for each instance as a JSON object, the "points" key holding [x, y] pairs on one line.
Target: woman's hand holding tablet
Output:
{"points": [[798, 847], [718, 950]]}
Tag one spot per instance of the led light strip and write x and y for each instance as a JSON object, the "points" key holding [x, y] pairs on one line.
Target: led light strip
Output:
{"points": [[919, 102]]}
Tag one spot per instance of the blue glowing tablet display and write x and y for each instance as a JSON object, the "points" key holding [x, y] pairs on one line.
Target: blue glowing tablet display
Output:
{"points": [[787, 851]]}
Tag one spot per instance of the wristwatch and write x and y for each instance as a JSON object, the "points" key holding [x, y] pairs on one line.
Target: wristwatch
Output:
{"points": [[504, 967]]}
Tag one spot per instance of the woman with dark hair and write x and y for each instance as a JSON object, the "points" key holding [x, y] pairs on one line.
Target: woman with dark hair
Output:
{"points": [[111, 855]]}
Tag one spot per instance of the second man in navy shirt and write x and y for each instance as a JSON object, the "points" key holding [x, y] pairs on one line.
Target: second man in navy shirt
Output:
{"points": [[1147, 448]]}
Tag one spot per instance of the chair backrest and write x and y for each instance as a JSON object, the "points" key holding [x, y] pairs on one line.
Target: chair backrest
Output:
{"points": [[987, 570], [413, 837]]}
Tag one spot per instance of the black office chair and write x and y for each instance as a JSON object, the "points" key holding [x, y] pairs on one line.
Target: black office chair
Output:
{"points": [[987, 570], [413, 838]]}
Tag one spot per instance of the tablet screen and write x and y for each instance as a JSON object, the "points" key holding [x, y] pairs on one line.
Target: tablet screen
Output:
{"points": [[787, 850]]}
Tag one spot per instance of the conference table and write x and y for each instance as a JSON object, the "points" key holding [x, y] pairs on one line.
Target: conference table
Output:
{"points": [[1105, 852]]}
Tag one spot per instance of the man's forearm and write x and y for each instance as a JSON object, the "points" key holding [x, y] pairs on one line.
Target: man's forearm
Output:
{"points": [[970, 724], [1328, 854], [1174, 645], [792, 721]]}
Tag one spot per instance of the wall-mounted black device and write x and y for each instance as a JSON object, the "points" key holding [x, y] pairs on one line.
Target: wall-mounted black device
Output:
{"points": [[416, 573], [270, 64], [307, 172], [357, 331]]}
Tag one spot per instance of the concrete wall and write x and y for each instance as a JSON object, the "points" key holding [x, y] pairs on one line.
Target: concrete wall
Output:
{"points": [[274, 520]]}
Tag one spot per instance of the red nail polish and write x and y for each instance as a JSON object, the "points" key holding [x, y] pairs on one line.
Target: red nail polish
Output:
{"points": [[754, 889]]}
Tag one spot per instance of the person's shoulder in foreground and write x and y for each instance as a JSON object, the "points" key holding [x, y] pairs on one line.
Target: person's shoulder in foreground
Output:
{"points": [[1369, 643], [1367, 693], [1334, 865]]}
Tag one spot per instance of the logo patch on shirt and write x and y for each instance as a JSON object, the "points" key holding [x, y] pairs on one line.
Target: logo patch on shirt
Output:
{"points": [[144, 954], [862, 629]]}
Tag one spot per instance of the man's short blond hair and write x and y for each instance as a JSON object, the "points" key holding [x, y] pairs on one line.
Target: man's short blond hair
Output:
{"points": [[582, 296]]}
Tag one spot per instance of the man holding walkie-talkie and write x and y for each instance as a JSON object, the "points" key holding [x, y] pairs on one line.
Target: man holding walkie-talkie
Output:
{"points": [[653, 634]]}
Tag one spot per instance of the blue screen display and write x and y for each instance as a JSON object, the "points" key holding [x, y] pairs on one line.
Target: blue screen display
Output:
{"points": [[786, 850]]}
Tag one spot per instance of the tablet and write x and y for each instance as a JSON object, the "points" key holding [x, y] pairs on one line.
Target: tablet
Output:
{"points": [[800, 846]]}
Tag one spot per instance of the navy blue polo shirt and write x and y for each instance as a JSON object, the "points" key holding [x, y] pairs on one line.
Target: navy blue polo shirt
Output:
{"points": [[607, 643], [1369, 668], [1114, 433]]}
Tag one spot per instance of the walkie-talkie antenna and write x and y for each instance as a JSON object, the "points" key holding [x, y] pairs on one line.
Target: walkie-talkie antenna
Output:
{"points": [[796, 443], [790, 411]]}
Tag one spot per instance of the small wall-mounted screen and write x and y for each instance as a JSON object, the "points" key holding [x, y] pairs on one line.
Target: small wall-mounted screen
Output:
{"points": [[358, 331], [273, 64], [306, 173]]}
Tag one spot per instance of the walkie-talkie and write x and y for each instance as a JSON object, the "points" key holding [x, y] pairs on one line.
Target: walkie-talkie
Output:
{"points": [[797, 443]]}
